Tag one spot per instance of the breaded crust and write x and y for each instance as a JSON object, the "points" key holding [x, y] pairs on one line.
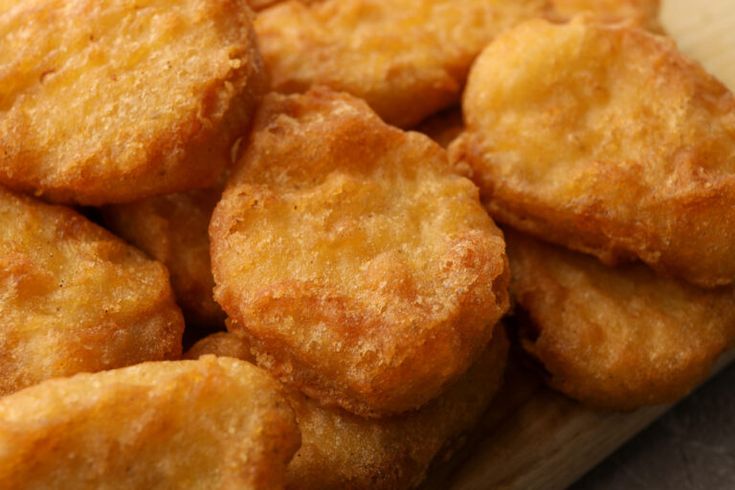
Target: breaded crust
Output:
{"points": [[643, 13], [350, 254], [407, 58], [616, 338], [608, 141], [75, 298], [173, 230], [206, 424], [340, 450], [443, 127], [104, 102]]}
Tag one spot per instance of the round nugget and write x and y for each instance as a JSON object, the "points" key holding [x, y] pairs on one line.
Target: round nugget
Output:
{"points": [[606, 140], [114, 101], [75, 298], [406, 58], [341, 450], [616, 338], [363, 270], [200, 425], [173, 230]]}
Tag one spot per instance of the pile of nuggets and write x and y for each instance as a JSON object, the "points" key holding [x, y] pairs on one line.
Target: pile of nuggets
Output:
{"points": [[254, 246]]}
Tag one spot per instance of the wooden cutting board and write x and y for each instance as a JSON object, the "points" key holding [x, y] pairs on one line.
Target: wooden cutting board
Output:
{"points": [[533, 438]]}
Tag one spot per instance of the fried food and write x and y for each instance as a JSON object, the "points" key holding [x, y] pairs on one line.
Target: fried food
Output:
{"points": [[616, 338], [263, 4], [340, 450], [407, 58], [75, 298], [608, 141], [350, 255], [643, 13], [146, 97], [443, 127], [211, 423], [173, 230]]}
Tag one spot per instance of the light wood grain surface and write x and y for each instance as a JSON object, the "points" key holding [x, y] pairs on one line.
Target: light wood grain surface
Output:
{"points": [[534, 439]]}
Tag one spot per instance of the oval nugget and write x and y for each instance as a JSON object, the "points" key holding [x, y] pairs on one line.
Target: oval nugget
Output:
{"points": [[608, 141], [173, 230], [406, 58], [341, 450], [75, 298], [114, 101], [206, 424], [363, 270], [616, 338]]}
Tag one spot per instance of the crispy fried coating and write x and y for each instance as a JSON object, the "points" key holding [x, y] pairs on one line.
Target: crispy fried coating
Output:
{"points": [[215, 423], [443, 127], [258, 5], [75, 298], [607, 140], [350, 254], [341, 450], [407, 58], [173, 230], [146, 97], [644, 13], [616, 338]]}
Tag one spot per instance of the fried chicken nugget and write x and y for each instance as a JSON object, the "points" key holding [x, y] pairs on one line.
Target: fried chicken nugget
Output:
{"points": [[407, 58], [340, 450], [74, 298], [644, 13], [206, 424], [146, 97], [608, 141], [350, 254], [173, 230], [616, 338]]}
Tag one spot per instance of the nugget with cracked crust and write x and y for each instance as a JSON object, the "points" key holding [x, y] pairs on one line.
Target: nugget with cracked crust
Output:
{"points": [[350, 254], [616, 338], [606, 140], [342, 450], [644, 13], [407, 58], [75, 298], [211, 423], [145, 98], [173, 230]]}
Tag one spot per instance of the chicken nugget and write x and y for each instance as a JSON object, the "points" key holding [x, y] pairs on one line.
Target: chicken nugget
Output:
{"points": [[114, 101], [341, 450], [173, 230], [363, 270], [215, 423], [407, 58], [443, 127], [75, 298], [643, 13], [608, 141], [616, 338]]}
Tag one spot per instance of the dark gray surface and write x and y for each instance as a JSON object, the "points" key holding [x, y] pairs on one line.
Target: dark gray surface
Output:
{"points": [[690, 448]]}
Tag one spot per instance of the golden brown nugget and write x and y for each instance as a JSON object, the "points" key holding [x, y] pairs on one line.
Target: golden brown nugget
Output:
{"points": [[173, 230], [206, 424], [644, 13], [616, 338], [350, 254], [407, 58], [75, 298], [608, 141], [443, 127], [146, 98], [340, 450]]}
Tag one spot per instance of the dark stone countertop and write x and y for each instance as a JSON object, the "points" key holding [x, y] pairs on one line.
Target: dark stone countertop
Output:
{"points": [[690, 448]]}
